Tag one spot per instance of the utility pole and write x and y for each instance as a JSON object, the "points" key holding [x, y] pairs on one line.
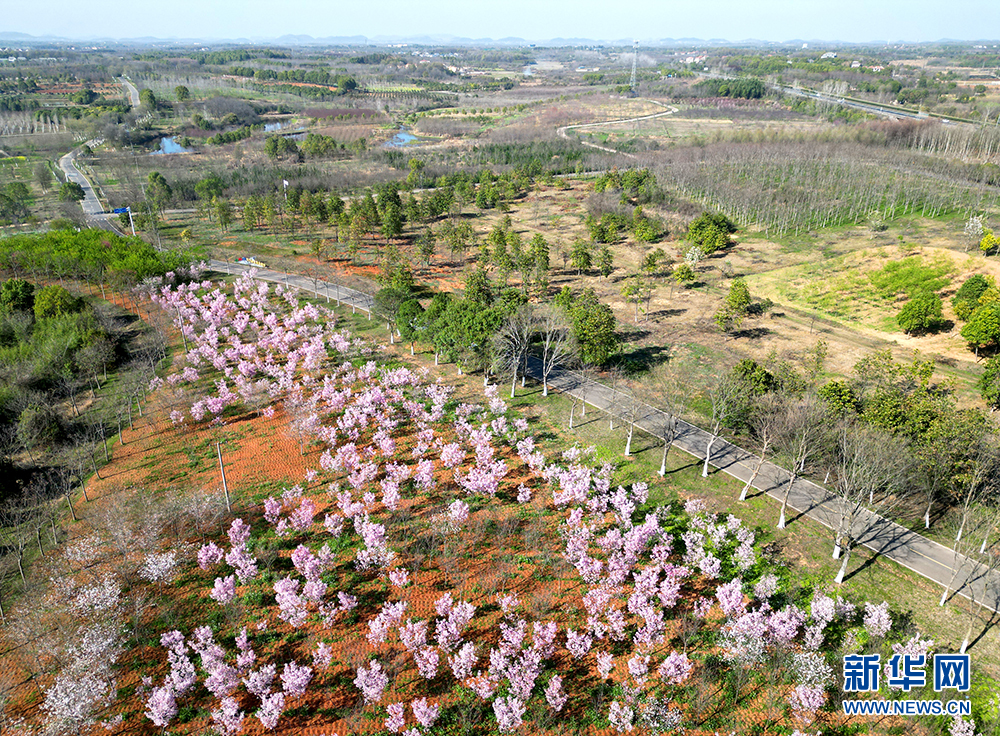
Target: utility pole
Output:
{"points": [[635, 59]]}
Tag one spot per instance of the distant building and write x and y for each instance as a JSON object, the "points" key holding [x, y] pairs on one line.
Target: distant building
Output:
{"points": [[829, 55]]}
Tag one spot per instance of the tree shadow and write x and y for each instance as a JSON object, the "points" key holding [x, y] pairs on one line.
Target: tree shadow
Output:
{"points": [[642, 360], [693, 464], [987, 625], [752, 333], [668, 313]]}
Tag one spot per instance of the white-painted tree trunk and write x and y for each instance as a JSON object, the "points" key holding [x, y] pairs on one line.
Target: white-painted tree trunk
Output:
{"points": [[708, 455], [663, 460], [843, 567]]}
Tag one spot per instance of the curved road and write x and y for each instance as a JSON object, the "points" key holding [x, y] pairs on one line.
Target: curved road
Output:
{"points": [[561, 132], [93, 210], [133, 93]]}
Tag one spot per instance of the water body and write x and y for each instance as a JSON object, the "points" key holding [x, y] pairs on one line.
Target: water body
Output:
{"points": [[169, 145], [401, 139], [271, 127]]}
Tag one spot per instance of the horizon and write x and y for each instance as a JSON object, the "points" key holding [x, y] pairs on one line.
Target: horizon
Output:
{"points": [[717, 21]]}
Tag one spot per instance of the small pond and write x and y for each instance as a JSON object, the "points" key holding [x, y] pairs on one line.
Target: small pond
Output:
{"points": [[169, 145], [401, 139]]}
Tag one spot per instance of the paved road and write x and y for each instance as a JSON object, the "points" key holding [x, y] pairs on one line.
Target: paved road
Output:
{"points": [[133, 93], [331, 292], [889, 111], [93, 210], [930, 559]]}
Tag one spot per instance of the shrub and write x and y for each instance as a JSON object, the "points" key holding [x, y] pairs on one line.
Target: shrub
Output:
{"points": [[55, 301], [921, 314]]}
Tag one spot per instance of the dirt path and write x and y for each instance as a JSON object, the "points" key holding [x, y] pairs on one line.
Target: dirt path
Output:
{"points": [[562, 132]]}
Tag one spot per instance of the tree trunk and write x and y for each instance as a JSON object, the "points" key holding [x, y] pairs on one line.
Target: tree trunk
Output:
{"points": [[571, 410], [545, 384], [927, 514], [753, 477], [843, 566], [784, 501], [708, 455], [513, 384], [663, 460], [38, 538], [628, 442]]}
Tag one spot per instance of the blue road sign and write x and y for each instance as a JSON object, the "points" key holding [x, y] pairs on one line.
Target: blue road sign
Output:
{"points": [[119, 210]]}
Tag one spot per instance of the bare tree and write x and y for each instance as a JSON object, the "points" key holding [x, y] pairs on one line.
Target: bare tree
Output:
{"points": [[15, 531], [766, 414], [725, 396], [799, 431], [979, 481], [578, 395], [511, 343], [873, 469], [663, 390], [617, 376], [632, 407], [942, 452], [557, 343], [974, 566]]}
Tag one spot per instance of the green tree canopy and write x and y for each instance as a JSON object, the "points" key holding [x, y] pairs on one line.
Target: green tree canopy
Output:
{"points": [[966, 299], [711, 232], [983, 327], [989, 384], [208, 187], [71, 192], [921, 314], [17, 295], [55, 301], [594, 327]]}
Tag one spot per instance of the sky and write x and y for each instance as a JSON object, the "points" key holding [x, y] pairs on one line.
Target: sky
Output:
{"points": [[733, 20]]}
